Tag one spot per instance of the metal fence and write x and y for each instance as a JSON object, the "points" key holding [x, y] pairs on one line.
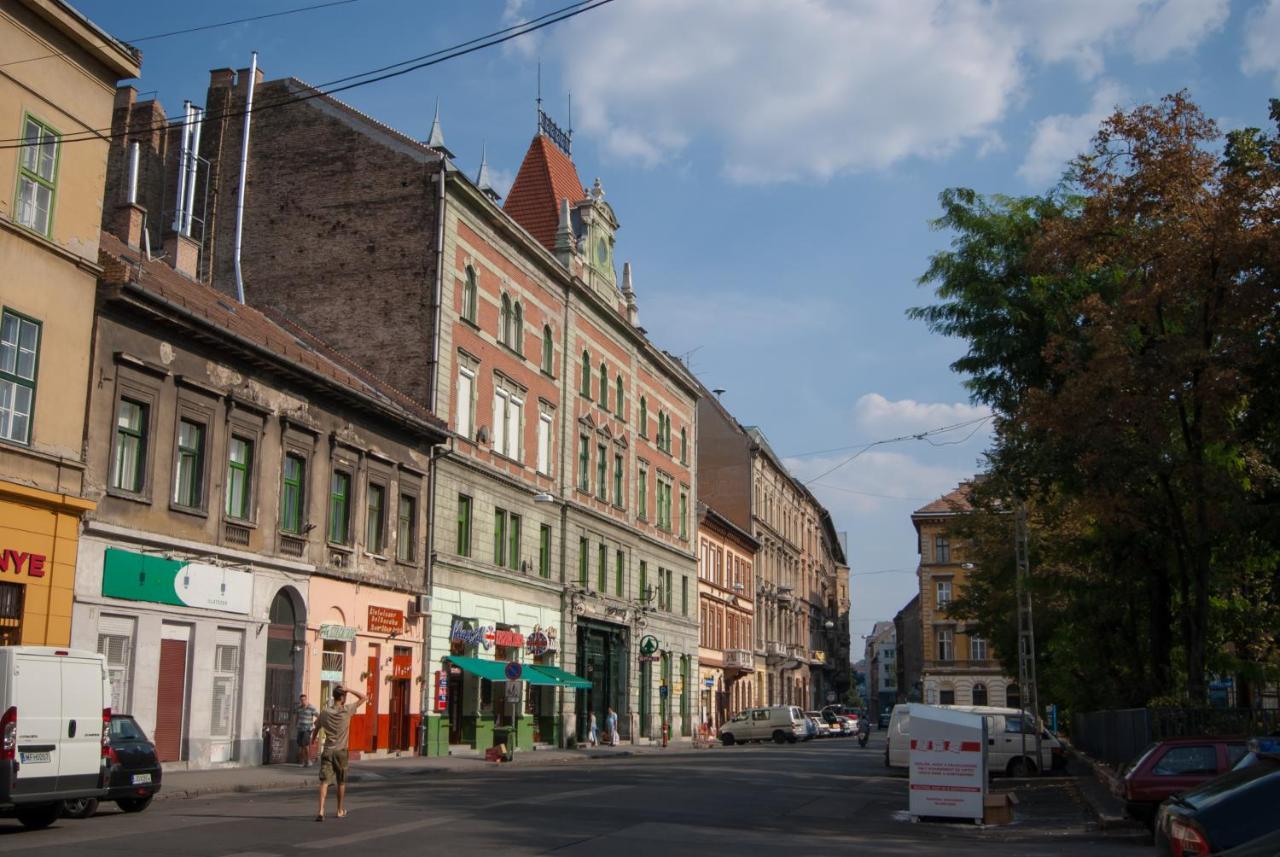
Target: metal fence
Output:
{"points": [[1118, 736]]}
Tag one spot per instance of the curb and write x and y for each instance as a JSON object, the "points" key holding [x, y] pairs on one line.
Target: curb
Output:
{"points": [[1105, 819]]}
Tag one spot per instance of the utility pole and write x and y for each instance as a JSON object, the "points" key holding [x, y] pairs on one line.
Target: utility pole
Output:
{"points": [[1026, 630]]}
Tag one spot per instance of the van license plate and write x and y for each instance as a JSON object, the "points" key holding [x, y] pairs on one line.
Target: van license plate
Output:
{"points": [[34, 758], [138, 779]]}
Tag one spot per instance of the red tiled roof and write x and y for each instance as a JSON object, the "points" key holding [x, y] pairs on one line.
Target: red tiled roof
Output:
{"points": [[546, 176], [950, 503], [285, 339]]}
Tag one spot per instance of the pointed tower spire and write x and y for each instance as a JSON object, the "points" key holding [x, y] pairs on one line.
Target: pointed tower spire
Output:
{"points": [[436, 139], [629, 295], [564, 235], [482, 177]]}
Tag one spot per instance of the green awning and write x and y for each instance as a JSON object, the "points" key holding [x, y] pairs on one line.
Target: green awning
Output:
{"points": [[492, 670], [556, 676]]}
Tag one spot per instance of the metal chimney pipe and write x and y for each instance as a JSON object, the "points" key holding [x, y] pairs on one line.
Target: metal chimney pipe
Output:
{"points": [[193, 164], [182, 167], [244, 165], [132, 186]]}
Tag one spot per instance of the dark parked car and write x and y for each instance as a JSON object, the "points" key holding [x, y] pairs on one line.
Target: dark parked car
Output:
{"points": [[135, 770], [1175, 765], [1232, 811]]}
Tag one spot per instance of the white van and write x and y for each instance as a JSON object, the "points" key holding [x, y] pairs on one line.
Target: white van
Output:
{"points": [[54, 711], [777, 723], [1005, 728]]}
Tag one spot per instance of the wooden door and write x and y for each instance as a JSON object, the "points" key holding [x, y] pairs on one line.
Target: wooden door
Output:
{"points": [[371, 707], [171, 694], [398, 716]]}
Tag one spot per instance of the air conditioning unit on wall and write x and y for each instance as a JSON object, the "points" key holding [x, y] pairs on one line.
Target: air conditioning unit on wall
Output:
{"points": [[420, 605]]}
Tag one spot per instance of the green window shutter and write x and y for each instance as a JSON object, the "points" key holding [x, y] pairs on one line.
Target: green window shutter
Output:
{"points": [[544, 552], [602, 569], [291, 494], [644, 579], [618, 561], [339, 513], [513, 547], [584, 558], [464, 525], [499, 537]]}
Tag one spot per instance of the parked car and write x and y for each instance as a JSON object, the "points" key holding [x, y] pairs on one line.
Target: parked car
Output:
{"points": [[1006, 728], [135, 772], [1259, 747], [777, 723], [884, 718], [1174, 765], [823, 728], [840, 717], [54, 705], [1227, 815]]}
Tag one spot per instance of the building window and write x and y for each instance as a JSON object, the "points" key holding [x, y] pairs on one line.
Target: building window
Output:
{"points": [[619, 561], [115, 642], [340, 508], [645, 595], [1013, 696], [684, 595], [662, 429], [513, 541], [617, 479], [664, 504], [548, 350], [128, 470], [643, 422], [604, 386], [464, 525], [642, 492], [946, 644], [684, 514], [667, 578], [19, 347], [239, 477], [499, 537], [977, 649], [941, 549], [544, 552], [544, 443], [947, 696], [584, 557], [406, 528], [188, 480], [944, 594], [225, 682], [470, 296], [585, 386], [504, 320], [602, 569], [618, 399], [584, 463], [37, 176], [508, 418], [979, 694], [515, 338], [375, 525], [292, 494], [602, 478], [684, 446], [466, 402]]}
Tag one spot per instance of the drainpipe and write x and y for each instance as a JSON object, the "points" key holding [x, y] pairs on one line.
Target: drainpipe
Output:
{"points": [[193, 165], [428, 674], [244, 166]]}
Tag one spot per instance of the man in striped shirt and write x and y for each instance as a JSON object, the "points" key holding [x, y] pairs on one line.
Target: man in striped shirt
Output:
{"points": [[306, 715]]}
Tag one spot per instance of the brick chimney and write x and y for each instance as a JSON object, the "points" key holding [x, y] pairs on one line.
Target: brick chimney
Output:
{"points": [[135, 169]]}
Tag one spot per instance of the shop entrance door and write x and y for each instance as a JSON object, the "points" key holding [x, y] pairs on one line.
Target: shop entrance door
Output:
{"points": [[171, 693], [455, 705], [278, 698], [372, 682], [398, 709]]}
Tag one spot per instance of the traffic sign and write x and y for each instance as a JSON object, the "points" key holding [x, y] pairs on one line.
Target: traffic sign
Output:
{"points": [[515, 691], [513, 670], [709, 682], [648, 644], [664, 691]]}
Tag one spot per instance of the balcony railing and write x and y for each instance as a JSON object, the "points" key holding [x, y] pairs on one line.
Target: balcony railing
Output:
{"points": [[784, 595], [738, 659], [797, 652], [775, 649]]}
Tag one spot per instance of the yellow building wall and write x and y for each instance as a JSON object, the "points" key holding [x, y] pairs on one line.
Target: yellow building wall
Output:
{"points": [[46, 525]]}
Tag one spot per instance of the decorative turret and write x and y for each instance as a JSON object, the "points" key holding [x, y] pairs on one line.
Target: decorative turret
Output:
{"points": [[482, 177], [566, 246], [629, 295], [436, 139]]}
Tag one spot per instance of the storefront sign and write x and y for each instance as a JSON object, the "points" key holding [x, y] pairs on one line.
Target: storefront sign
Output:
{"points": [[385, 620], [138, 577], [537, 644], [648, 644], [508, 639], [471, 637], [442, 690], [14, 561], [337, 632], [948, 765], [709, 682]]}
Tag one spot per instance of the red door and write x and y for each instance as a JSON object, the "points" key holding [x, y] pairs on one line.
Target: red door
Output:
{"points": [[371, 707], [170, 696]]}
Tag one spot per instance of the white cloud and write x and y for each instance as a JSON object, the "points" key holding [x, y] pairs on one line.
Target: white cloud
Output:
{"points": [[1061, 137], [526, 47], [1178, 25], [1076, 32], [878, 481], [877, 417], [1262, 35]]}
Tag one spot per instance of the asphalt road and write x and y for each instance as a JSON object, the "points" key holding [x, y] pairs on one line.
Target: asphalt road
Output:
{"points": [[824, 797]]}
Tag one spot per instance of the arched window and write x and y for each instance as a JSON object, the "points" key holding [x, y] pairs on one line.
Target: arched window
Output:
{"points": [[644, 417], [470, 296], [548, 351], [684, 446], [1013, 696], [617, 396], [604, 386], [504, 320], [586, 375], [979, 694], [516, 337], [662, 423]]}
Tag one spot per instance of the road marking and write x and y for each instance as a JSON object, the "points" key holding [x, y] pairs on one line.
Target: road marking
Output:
{"points": [[559, 796], [406, 827], [252, 854], [95, 832]]}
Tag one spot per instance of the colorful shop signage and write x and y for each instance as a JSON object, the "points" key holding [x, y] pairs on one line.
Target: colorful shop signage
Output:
{"points": [[12, 560], [471, 637], [442, 690], [539, 642], [140, 577], [385, 620], [508, 639], [346, 633]]}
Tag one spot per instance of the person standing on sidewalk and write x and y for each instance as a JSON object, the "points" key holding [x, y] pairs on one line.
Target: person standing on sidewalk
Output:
{"points": [[306, 727], [611, 726], [593, 730], [335, 720]]}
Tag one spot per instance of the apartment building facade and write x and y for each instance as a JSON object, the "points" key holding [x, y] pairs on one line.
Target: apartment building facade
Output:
{"points": [[726, 612], [959, 666], [882, 673], [58, 81]]}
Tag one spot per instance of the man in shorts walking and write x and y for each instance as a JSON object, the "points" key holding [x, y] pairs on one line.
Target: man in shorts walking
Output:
{"points": [[306, 727], [335, 720]]}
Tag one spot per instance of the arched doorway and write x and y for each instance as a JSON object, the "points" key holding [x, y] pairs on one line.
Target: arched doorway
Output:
{"points": [[285, 644], [979, 694], [1014, 696]]}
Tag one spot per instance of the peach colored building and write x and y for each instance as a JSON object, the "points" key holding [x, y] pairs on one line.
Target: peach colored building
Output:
{"points": [[726, 583]]}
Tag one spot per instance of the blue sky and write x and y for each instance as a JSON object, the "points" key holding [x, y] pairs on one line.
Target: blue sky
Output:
{"points": [[775, 165]]}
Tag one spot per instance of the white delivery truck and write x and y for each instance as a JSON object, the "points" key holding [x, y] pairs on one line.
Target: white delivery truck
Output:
{"points": [[54, 722]]}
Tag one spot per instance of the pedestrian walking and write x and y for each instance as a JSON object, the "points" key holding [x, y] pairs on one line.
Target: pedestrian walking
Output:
{"points": [[335, 720], [611, 726], [593, 731], [305, 714]]}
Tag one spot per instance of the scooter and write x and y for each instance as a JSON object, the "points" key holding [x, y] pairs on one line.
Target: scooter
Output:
{"points": [[864, 732]]}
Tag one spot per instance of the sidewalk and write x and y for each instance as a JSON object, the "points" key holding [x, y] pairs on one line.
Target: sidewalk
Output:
{"points": [[192, 784]]}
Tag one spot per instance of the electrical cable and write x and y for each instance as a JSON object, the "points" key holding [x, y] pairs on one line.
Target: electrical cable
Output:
{"points": [[462, 49], [917, 436]]}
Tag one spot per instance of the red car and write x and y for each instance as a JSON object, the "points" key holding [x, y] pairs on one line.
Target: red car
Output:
{"points": [[1176, 765]]}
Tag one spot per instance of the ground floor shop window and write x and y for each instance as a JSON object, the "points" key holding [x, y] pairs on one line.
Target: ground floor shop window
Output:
{"points": [[11, 600], [226, 693], [115, 643]]}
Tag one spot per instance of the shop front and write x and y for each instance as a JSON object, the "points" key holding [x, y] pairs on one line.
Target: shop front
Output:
{"points": [[603, 661], [713, 698], [39, 532], [365, 637]]}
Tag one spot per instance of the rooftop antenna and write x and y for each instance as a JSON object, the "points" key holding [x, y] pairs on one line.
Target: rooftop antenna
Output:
{"points": [[719, 391], [539, 116]]}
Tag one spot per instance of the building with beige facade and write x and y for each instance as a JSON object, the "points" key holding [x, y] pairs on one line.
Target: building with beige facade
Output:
{"points": [[959, 666], [57, 83], [726, 609]]}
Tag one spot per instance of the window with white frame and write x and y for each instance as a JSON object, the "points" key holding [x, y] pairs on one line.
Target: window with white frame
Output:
{"points": [[37, 175], [115, 643], [466, 402], [226, 683], [544, 442], [508, 419], [944, 593], [946, 644], [977, 649], [19, 346]]}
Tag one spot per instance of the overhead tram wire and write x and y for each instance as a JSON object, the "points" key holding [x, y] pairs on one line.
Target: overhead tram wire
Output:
{"points": [[443, 55], [939, 430], [201, 28], [924, 435]]}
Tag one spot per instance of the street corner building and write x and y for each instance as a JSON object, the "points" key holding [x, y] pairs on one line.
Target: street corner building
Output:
{"points": [[261, 500], [562, 526], [50, 216]]}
